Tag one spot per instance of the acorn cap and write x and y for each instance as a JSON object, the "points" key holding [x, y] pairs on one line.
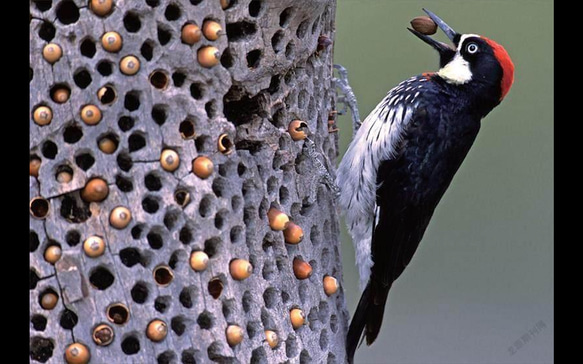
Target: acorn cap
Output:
{"points": [[94, 246], [202, 167], [157, 330], [77, 353], [199, 260], [330, 285], [211, 30], [208, 56], [191, 33], [272, 338], [424, 25], [278, 221], [240, 269], [120, 217], [297, 129], [293, 234], [103, 335], [297, 317], [39, 207], [234, 335], [96, 190]]}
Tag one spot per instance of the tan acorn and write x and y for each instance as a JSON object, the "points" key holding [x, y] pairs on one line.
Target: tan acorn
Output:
{"points": [[202, 167], [53, 253], [293, 234], [90, 114], [191, 34], [64, 176], [208, 56], [103, 335], [129, 65], [52, 52], [234, 334], [240, 269], [49, 300], [199, 260], [77, 353], [157, 330], [111, 42], [169, 160], [330, 285], [61, 95], [101, 7], [278, 221], [211, 30], [96, 190], [107, 145], [302, 269], [272, 338], [297, 130], [297, 317], [424, 25], [34, 166], [120, 217], [94, 246], [43, 115], [225, 4]]}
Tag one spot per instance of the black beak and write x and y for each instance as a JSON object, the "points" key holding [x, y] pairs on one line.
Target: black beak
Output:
{"points": [[446, 52], [451, 34]]}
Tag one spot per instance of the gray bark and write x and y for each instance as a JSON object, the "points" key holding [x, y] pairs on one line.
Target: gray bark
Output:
{"points": [[251, 96]]}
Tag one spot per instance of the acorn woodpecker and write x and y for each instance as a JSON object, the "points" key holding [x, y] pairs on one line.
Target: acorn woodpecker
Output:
{"points": [[404, 156]]}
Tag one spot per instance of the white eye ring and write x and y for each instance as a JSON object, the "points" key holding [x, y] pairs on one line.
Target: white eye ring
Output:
{"points": [[472, 48]]}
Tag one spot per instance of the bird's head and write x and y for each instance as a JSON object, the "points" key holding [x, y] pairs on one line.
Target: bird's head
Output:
{"points": [[472, 58]]}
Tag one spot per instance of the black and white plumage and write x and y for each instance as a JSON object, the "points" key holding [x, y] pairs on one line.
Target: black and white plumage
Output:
{"points": [[403, 158]]}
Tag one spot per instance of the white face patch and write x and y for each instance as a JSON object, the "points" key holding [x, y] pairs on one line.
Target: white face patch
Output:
{"points": [[457, 71]]}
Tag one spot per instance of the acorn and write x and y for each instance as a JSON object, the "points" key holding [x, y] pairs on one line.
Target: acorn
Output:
{"points": [[235, 335], [53, 254], [293, 234], [330, 285], [103, 335], [225, 145], [278, 221], [107, 145], [191, 33], [43, 115], [129, 65], [211, 30], [208, 56], [90, 114], [225, 4], [169, 160], [77, 353], [101, 7], [199, 260], [34, 166], [424, 25], [302, 269], [61, 95], [94, 246], [240, 269], [111, 42], [52, 52], [157, 330], [202, 167], [272, 339], [39, 207], [49, 300], [96, 190], [64, 176], [297, 130], [120, 217], [297, 317]]}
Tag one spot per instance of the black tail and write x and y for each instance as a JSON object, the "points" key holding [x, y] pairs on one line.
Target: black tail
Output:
{"points": [[368, 317]]}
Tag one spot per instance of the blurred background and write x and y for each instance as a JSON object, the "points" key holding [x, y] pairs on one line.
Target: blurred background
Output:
{"points": [[480, 287]]}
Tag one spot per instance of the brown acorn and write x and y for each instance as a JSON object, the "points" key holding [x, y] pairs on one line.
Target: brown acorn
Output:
{"points": [[199, 260], [49, 300], [297, 130], [234, 335], [157, 330], [293, 234], [272, 338], [302, 269], [225, 4], [211, 30], [191, 34], [103, 335], [52, 52], [90, 114], [111, 42], [43, 115], [120, 217], [240, 269], [101, 7], [94, 246], [169, 160], [297, 317], [96, 190], [208, 56], [129, 65], [278, 221], [53, 253], [424, 25], [330, 285], [77, 353], [202, 167], [34, 166]]}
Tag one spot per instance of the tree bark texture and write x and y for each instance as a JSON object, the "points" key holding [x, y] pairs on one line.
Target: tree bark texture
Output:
{"points": [[274, 68]]}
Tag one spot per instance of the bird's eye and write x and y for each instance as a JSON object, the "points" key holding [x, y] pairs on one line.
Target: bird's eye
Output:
{"points": [[472, 48]]}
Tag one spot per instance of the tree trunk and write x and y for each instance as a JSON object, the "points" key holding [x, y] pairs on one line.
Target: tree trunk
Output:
{"points": [[274, 66]]}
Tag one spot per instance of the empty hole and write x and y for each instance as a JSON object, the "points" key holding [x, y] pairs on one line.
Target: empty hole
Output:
{"points": [[291, 346], [167, 357], [139, 292], [211, 109], [152, 182], [73, 210], [137, 231], [220, 218], [41, 349], [105, 68], [136, 142], [220, 186], [162, 303], [33, 279], [67, 12], [39, 322], [334, 323], [43, 5], [254, 8], [171, 218], [270, 297], [159, 79], [187, 357], [49, 149], [164, 36], [153, 3], [185, 235], [155, 240], [284, 195], [132, 101], [172, 12], [247, 301], [178, 324], [147, 50], [107, 95], [205, 320], [31, 73], [236, 234], [68, 319], [125, 123], [196, 91], [205, 206], [185, 297], [47, 31], [215, 287], [72, 134], [212, 246], [124, 162], [186, 129], [305, 357], [227, 58], [178, 78], [289, 50], [229, 309], [253, 58], [84, 161], [33, 241], [323, 339], [274, 84], [131, 22], [240, 31], [269, 270], [259, 356], [88, 48], [285, 16], [150, 204], [130, 345], [130, 257], [73, 237], [82, 78], [163, 275], [124, 184], [101, 278], [303, 29], [159, 114]]}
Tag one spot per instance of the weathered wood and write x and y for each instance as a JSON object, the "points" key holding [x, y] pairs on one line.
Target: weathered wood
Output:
{"points": [[271, 72]]}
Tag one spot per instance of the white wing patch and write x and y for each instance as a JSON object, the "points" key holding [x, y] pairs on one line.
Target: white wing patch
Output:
{"points": [[375, 141]]}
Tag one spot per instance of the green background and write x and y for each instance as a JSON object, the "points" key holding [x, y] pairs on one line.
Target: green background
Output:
{"points": [[481, 283]]}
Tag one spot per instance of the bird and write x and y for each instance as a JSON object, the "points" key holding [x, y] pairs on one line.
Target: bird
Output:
{"points": [[403, 158]]}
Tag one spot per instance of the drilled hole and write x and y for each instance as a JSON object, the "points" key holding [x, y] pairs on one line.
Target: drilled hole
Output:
{"points": [[105, 68], [153, 3], [33, 241], [303, 29], [68, 319], [186, 129], [33, 279], [107, 95], [39, 322], [118, 313], [187, 357], [82, 78], [84, 161], [215, 287], [291, 346], [87, 48], [172, 12], [39, 207], [43, 5], [147, 51], [139, 292], [162, 303], [125, 123], [130, 345], [124, 161], [164, 36], [41, 349], [136, 142], [47, 31], [152, 182], [227, 60], [171, 219], [240, 31], [101, 278], [178, 324], [205, 320], [132, 101], [72, 134], [163, 275], [178, 78], [253, 58], [167, 357], [159, 79], [131, 22], [211, 109], [212, 246], [289, 50], [196, 91], [247, 301], [73, 210], [150, 204], [159, 114], [285, 16], [186, 296], [124, 184], [129, 257], [255, 8], [220, 218], [67, 12], [185, 235], [205, 207]]}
